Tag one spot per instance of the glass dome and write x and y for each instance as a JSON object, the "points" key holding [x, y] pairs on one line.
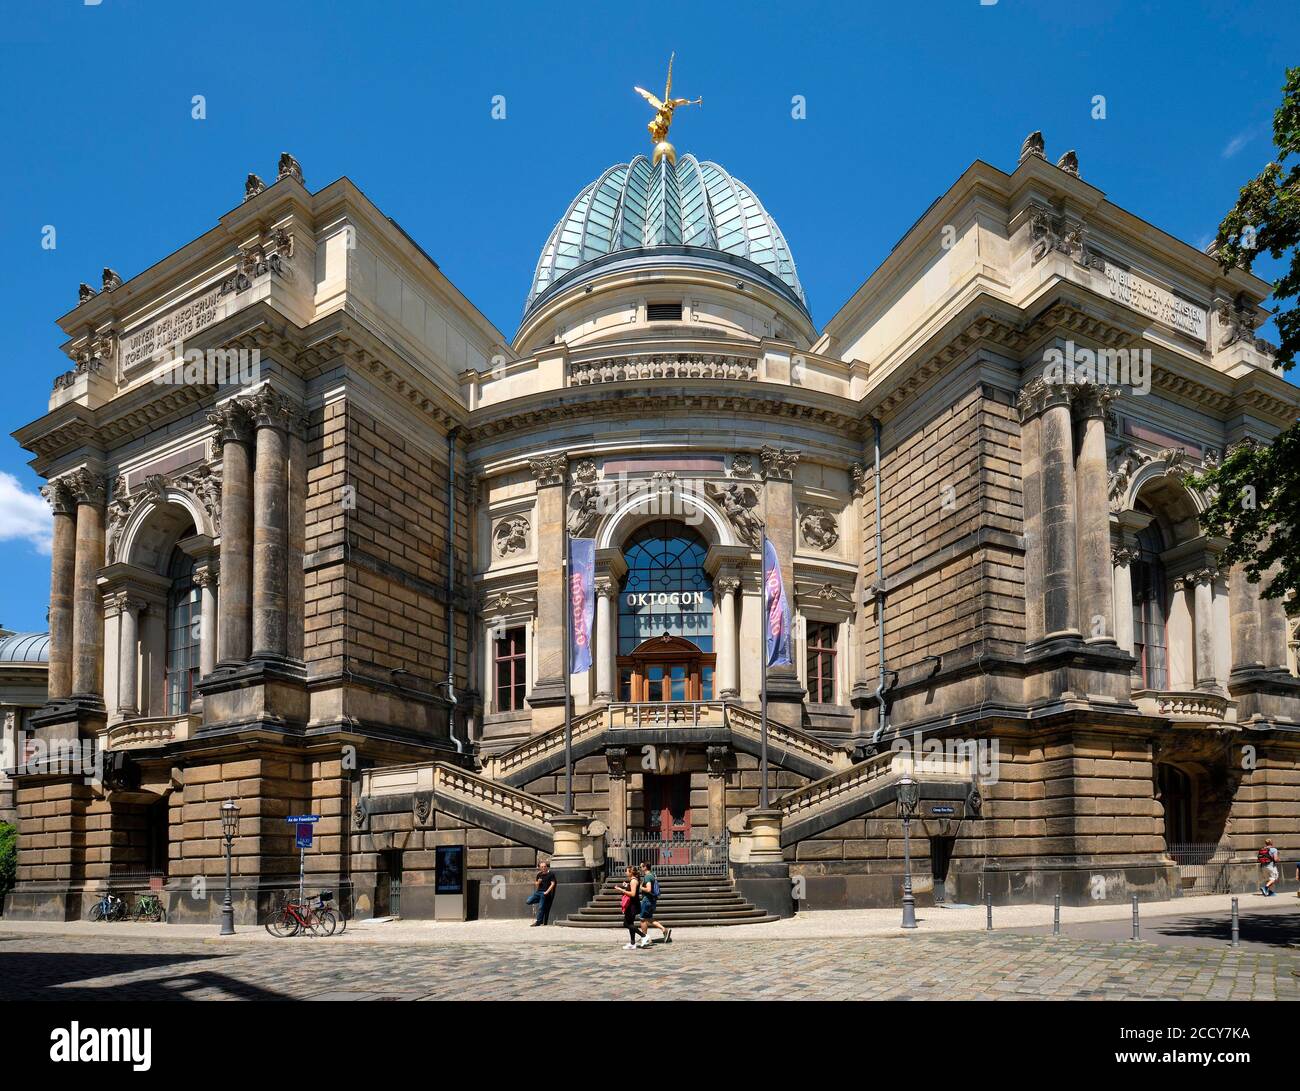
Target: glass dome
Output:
{"points": [[688, 210]]}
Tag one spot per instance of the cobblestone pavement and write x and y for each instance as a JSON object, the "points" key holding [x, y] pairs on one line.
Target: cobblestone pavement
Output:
{"points": [[940, 967]]}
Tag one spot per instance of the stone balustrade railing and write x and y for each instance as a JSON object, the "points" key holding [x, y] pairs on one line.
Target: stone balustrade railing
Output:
{"points": [[141, 734], [619, 369], [743, 720], [547, 744], [1185, 704], [450, 781], [831, 789]]}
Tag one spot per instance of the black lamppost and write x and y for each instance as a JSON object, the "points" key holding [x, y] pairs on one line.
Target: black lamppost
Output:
{"points": [[229, 827], [909, 793]]}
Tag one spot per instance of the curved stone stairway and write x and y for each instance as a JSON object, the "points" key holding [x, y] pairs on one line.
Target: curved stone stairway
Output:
{"points": [[685, 902]]}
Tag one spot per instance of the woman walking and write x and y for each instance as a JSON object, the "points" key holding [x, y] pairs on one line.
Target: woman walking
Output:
{"points": [[630, 904]]}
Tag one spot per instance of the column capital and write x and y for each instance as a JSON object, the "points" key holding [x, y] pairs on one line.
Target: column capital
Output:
{"points": [[726, 585], [58, 494], [87, 487], [271, 409], [548, 469], [1203, 576], [616, 760], [716, 758], [233, 421], [1122, 556], [206, 575], [778, 462], [1092, 400], [123, 602], [606, 587], [1038, 394]]}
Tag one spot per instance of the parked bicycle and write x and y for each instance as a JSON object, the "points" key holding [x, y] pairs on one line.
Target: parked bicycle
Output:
{"points": [[315, 918], [149, 907], [109, 908]]}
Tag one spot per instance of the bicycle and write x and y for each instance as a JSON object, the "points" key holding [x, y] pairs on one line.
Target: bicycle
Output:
{"points": [[294, 918], [109, 907], [149, 907]]}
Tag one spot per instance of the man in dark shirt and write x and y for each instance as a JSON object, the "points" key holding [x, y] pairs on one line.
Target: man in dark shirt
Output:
{"points": [[544, 887]]}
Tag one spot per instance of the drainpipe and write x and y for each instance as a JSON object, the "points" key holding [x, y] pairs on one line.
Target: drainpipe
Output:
{"points": [[882, 715], [451, 588]]}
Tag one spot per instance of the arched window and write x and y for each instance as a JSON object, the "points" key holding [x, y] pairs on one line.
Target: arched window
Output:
{"points": [[1150, 643], [183, 612]]}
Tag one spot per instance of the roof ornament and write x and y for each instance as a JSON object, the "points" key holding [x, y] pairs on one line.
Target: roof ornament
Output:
{"points": [[1069, 162], [663, 118], [1033, 145]]}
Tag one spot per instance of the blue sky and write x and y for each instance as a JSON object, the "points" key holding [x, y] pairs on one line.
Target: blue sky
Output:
{"points": [[101, 144]]}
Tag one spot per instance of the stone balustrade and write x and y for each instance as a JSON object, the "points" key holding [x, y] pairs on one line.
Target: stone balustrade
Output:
{"points": [[618, 369]]}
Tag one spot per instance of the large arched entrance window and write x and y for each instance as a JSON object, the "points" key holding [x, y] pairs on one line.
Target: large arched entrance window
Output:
{"points": [[183, 612], [1149, 610], [665, 617]]}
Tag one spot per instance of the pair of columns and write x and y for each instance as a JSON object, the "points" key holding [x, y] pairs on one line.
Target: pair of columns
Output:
{"points": [[76, 615], [1068, 575], [260, 435]]}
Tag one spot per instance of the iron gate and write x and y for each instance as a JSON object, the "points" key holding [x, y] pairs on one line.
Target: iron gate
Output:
{"points": [[1204, 868], [689, 856]]}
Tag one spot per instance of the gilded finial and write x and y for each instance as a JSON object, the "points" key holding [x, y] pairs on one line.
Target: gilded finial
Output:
{"points": [[663, 119]]}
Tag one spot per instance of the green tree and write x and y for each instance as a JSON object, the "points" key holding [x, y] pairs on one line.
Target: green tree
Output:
{"points": [[8, 859], [1255, 490]]}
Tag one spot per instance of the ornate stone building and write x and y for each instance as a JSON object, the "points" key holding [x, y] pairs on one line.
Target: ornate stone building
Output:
{"points": [[310, 511]]}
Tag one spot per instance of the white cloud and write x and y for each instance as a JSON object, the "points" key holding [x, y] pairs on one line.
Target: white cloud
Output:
{"points": [[1237, 143], [24, 516]]}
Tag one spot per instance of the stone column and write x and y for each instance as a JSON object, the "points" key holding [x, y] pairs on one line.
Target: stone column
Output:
{"points": [[1122, 585], [1060, 542], [206, 578], [298, 536], [1092, 521], [62, 574], [271, 413], [548, 647], [128, 654], [717, 759], [234, 426], [1031, 469], [89, 490], [1273, 629], [606, 590], [1203, 622], [1243, 608], [784, 692], [726, 588]]}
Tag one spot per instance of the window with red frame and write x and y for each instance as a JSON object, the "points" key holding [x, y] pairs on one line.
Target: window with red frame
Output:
{"points": [[511, 659], [821, 661]]}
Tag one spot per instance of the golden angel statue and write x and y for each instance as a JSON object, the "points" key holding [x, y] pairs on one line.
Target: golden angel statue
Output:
{"points": [[663, 118]]}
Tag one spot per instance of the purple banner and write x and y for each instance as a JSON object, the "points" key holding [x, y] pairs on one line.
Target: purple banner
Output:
{"points": [[777, 609], [582, 603]]}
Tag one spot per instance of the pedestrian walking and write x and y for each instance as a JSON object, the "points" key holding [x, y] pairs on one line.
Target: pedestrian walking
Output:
{"points": [[649, 900], [630, 903], [544, 887], [1268, 862]]}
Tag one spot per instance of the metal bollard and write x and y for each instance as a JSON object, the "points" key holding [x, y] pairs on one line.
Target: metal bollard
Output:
{"points": [[1056, 915], [1135, 916], [988, 905], [1236, 925]]}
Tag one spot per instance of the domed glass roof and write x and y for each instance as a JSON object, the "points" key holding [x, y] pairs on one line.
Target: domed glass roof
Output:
{"points": [[24, 647], [687, 208]]}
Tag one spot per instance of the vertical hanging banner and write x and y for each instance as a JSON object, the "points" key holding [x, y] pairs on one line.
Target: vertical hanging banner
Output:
{"points": [[582, 603], [778, 609]]}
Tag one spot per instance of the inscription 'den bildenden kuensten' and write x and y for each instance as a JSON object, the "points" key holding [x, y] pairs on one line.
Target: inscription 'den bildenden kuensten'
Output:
{"points": [[173, 327], [1131, 290]]}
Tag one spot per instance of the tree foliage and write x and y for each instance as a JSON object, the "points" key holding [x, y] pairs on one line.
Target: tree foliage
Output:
{"points": [[1255, 491]]}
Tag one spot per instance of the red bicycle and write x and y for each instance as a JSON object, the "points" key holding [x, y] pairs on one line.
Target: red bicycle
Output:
{"points": [[312, 918]]}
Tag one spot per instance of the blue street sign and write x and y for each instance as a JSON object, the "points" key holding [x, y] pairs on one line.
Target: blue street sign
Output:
{"points": [[295, 819], [304, 835]]}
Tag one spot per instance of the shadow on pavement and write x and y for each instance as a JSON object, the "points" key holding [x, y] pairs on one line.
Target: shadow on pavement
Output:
{"points": [[46, 975]]}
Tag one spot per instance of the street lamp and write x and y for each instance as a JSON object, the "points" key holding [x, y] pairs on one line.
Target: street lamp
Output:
{"points": [[909, 793], [229, 827]]}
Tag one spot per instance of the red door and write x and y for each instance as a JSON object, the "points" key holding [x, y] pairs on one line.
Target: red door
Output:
{"points": [[668, 814]]}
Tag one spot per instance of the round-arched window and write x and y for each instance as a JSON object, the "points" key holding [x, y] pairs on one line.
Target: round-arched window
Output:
{"points": [[183, 612], [666, 589]]}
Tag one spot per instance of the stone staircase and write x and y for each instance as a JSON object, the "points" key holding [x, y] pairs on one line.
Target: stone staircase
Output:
{"points": [[685, 902]]}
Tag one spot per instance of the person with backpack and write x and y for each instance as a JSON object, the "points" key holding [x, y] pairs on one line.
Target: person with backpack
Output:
{"points": [[649, 899], [1268, 861], [630, 903]]}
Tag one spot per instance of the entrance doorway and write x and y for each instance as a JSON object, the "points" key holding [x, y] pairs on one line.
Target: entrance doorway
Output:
{"points": [[668, 815], [666, 669]]}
